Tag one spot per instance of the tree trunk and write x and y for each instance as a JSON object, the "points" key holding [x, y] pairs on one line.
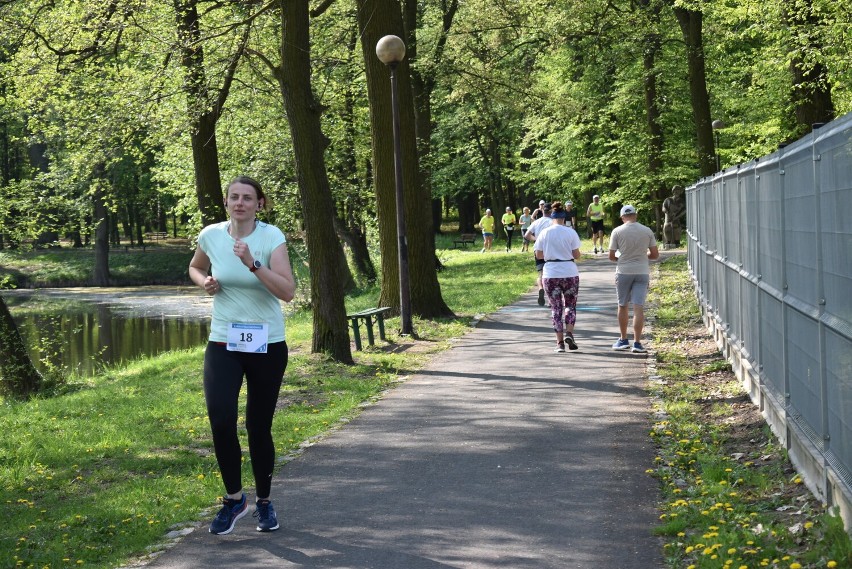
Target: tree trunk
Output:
{"points": [[377, 18], [356, 240], [811, 92], [203, 114], [422, 86], [350, 227], [18, 376], [691, 26], [653, 46], [331, 334], [205, 162], [100, 276], [468, 207]]}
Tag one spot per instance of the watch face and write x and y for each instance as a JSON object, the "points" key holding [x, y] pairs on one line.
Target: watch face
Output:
{"points": [[257, 264]]}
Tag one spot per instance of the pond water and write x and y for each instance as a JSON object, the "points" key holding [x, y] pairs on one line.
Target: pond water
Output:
{"points": [[81, 329]]}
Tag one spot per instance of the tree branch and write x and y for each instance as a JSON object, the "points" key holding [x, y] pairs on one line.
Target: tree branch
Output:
{"points": [[229, 73], [320, 10]]}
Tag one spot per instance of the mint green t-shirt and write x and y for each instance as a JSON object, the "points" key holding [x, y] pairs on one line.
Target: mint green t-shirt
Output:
{"points": [[242, 297]]}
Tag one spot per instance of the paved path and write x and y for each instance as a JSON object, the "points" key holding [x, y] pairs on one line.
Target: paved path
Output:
{"points": [[499, 454]]}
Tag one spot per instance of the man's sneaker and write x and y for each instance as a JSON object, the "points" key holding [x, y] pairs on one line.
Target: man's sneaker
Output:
{"points": [[231, 511], [621, 344], [572, 345], [638, 348], [596, 250], [266, 518], [541, 297], [560, 348]]}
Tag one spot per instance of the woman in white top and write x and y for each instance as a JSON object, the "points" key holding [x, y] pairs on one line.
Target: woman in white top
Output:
{"points": [[559, 247], [243, 263]]}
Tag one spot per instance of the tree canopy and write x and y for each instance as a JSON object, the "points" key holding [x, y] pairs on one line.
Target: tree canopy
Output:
{"points": [[126, 112]]}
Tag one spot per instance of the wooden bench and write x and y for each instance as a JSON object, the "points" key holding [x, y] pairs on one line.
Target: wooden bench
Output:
{"points": [[368, 316], [464, 240], [157, 235]]}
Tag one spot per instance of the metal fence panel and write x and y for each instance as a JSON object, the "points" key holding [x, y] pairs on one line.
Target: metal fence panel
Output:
{"points": [[770, 249], [834, 149], [839, 395], [750, 338], [771, 357], [800, 223], [770, 222], [803, 365], [731, 205], [750, 211]]}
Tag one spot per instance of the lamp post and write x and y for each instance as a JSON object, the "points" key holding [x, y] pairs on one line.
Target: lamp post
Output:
{"points": [[390, 51], [717, 125]]}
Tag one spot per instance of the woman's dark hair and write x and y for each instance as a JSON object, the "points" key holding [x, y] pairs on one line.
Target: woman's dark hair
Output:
{"points": [[557, 206], [249, 182]]}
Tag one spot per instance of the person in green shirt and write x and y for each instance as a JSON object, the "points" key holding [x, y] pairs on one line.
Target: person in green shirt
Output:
{"points": [[595, 214], [487, 226], [508, 220]]}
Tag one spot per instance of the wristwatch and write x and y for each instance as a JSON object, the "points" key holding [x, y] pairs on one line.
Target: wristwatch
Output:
{"points": [[255, 266]]}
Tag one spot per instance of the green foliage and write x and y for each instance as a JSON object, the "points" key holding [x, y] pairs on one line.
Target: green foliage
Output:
{"points": [[530, 98]]}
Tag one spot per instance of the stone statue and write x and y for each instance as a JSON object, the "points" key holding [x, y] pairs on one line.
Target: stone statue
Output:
{"points": [[674, 208]]}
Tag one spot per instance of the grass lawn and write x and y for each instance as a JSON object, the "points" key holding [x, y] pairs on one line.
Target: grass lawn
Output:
{"points": [[99, 472], [103, 469]]}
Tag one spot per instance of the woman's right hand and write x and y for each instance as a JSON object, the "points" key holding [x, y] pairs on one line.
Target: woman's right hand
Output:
{"points": [[211, 285]]}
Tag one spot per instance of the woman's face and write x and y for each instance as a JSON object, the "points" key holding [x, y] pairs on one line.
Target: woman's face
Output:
{"points": [[242, 201]]}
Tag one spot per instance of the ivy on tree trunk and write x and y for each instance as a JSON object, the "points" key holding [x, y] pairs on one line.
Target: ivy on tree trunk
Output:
{"points": [[18, 376]]}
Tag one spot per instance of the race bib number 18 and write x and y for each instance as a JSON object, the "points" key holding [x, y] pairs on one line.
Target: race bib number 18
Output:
{"points": [[248, 337]]}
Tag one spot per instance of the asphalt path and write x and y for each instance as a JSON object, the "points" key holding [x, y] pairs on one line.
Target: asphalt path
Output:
{"points": [[501, 453]]}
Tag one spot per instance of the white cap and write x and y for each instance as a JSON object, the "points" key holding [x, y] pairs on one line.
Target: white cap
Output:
{"points": [[596, 197], [628, 210]]}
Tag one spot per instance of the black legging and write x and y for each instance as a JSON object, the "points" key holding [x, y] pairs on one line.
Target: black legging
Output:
{"points": [[223, 378], [509, 233]]}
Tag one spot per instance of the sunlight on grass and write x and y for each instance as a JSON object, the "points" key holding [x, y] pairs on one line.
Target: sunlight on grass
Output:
{"points": [[730, 495]]}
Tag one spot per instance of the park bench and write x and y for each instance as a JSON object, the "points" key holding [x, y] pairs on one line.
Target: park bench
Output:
{"points": [[464, 240], [156, 235], [126, 247], [368, 316]]}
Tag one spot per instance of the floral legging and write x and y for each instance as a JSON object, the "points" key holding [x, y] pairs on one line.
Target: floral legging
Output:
{"points": [[562, 292]]}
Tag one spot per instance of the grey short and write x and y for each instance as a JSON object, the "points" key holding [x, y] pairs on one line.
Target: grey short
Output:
{"points": [[631, 289]]}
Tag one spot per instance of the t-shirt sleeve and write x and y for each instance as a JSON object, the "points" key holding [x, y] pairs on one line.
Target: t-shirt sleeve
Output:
{"points": [[652, 242]]}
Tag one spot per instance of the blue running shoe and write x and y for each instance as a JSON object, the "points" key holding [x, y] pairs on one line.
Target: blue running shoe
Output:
{"points": [[621, 344], [231, 511], [638, 348], [266, 518]]}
